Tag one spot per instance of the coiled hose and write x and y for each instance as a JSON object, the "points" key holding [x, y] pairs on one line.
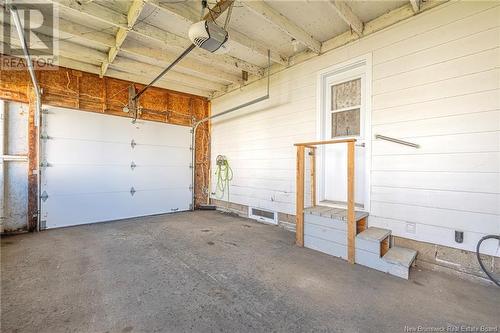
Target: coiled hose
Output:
{"points": [[492, 278], [224, 175]]}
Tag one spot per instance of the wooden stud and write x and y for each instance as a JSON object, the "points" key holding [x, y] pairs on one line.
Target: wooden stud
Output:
{"points": [[327, 142], [299, 224], [312, 155], [351, 219]]}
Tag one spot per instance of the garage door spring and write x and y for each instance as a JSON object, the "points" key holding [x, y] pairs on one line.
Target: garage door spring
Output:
{"points": [[224, 175]]}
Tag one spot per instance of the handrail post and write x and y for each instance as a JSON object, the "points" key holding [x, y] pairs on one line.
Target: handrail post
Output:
{"points": [[312, 154], [351, 219], [299, 202]]}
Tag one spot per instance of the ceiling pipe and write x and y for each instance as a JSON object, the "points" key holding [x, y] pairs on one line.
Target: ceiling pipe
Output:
{"points": [[38, 106], [201, 121]]}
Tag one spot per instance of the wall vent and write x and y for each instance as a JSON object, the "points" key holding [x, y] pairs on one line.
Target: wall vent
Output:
{"points": [[263, 215]]}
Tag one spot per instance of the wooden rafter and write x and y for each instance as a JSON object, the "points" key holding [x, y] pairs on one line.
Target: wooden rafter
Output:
{"points": [[133, 14], [284, 24], [188, 16], [150, 55], [86, 58], [119, 20], [346, 13]]}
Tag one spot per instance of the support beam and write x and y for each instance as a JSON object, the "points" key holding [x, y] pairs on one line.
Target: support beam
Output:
{"points": [[125, 64], [75, 56], [351, 213], [299, 199], [133, 14], [95, 69], [284, 24], [108, 16], [189, 16], [415, 5], [346, 13], [149, 55]]}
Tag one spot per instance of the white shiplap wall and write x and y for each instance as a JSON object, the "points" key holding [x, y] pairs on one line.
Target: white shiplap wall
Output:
{"points": [[436, 82]]}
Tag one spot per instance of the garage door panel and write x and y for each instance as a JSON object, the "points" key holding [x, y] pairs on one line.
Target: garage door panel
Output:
{"points": [[90, 173], [149, 202], [68, 210], [79, 152], [75, 179], [62, 123], [161, 177], [149, 133], [161, 155]]}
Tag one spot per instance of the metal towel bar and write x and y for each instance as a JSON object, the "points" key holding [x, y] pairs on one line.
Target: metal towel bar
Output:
{"points": [[401, 142]]}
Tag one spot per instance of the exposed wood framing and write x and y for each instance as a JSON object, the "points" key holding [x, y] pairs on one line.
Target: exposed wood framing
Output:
{"points": [[280, 21], [299, 188], [312, 154], [188, 16], [79, 57], [351, 214], [119, 20], [346, 13], [299, 201], [71, 88], [415, 5], [149, 55], [133, 14]]}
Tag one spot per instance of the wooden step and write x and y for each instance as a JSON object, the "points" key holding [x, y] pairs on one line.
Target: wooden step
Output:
{"points": [[399, 260], [333, 213], [400, 256], [374, 234], [374, 240]]}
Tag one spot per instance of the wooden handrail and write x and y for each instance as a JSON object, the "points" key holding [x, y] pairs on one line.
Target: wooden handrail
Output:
{"points": [[327, 142], [300, 175]]}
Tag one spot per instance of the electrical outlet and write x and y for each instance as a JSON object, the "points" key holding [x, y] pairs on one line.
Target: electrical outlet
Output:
{"points": [[411, 228]]}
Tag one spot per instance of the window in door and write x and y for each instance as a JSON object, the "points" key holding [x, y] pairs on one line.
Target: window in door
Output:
{"points": [[346, 109]]}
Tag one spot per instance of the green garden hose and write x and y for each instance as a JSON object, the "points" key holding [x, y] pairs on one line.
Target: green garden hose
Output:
{"points": [[224, 175]]}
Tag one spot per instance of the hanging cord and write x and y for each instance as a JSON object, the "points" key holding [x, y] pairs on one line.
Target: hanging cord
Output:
{"points": [[224, 175], [489, 274]]}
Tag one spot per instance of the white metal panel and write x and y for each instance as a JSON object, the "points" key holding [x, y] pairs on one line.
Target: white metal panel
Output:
{"points": [[89, 168], [13, 173]]}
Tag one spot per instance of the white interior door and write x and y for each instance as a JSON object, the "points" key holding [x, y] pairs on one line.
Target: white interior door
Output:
{"points": [[344, 115], [100, 168]]}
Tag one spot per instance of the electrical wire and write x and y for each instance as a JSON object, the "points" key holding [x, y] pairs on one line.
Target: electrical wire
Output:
{"points": [[489, 274]]}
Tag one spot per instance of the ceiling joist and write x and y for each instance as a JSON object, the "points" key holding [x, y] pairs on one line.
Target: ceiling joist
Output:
{"points": [[346, 13], [187, 15], [280, 21], [119, 20], [93, 58], [133, 14]]}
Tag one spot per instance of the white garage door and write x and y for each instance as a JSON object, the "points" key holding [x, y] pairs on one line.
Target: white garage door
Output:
{"points": [[99, 168]]}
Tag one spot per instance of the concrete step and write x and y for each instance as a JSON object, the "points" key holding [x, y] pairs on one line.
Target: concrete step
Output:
{"points": [[373, 240]]}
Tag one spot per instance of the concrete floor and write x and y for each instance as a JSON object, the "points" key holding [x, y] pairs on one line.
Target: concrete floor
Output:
{"points": [[207, 271]]}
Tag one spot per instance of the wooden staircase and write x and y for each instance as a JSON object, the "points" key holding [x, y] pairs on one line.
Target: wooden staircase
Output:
{"points": [[325, 230], [344, 232]]}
